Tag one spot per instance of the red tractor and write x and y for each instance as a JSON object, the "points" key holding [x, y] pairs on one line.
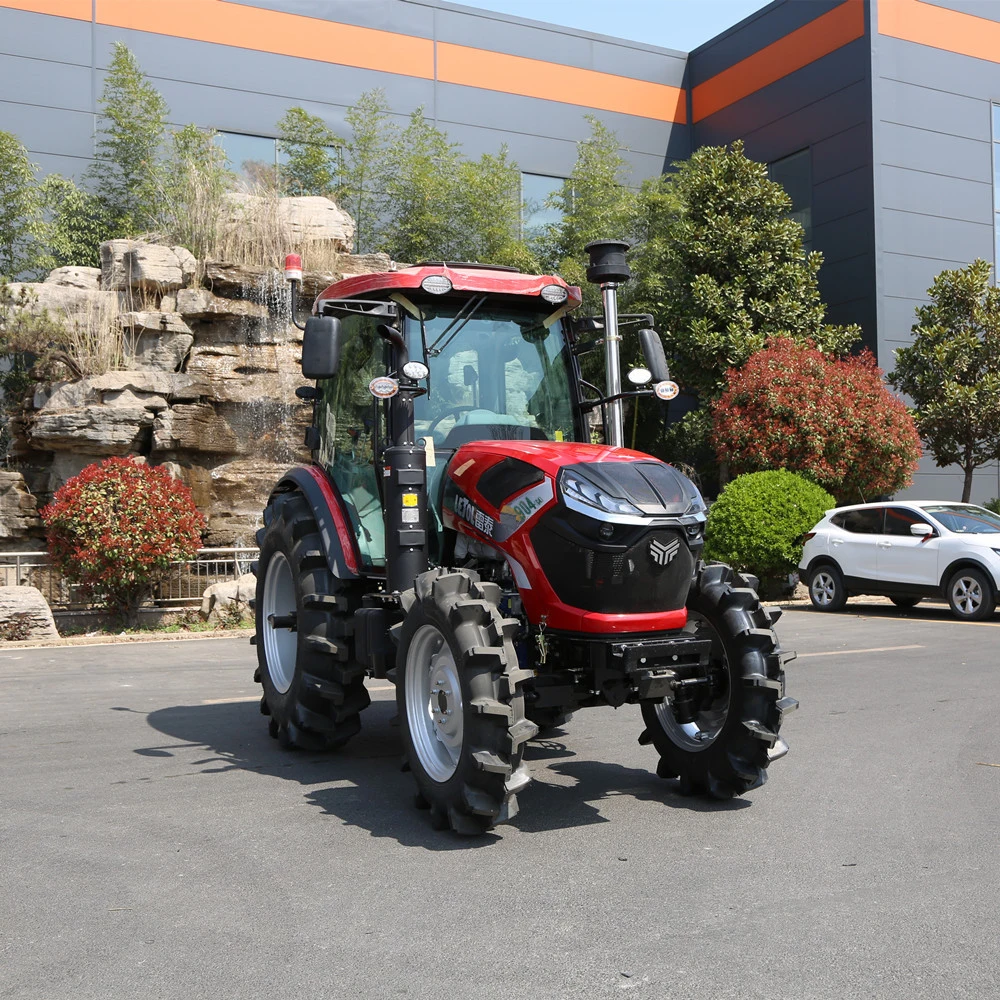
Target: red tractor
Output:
{"points": [[458, 533]]}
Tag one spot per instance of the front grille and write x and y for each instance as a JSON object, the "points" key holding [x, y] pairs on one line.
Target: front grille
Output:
{"points": [[652, 574]]}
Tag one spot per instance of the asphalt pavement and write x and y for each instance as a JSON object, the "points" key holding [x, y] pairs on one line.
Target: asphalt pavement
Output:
{"points": [[157, 843]]}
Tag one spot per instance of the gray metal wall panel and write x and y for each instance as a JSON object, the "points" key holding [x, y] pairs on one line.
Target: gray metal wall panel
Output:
{"points": [[936, 69], [915, 105], [68, 166], [908, 275], [989, 9], [42, 36], [560, 45], [948, 239], [754, 33], [840, 239], [898, 317], [45, 83], [385, 15], [935, 194], [49, 130], [935, 152], [839, 196], [809, 124], [842, 153]]}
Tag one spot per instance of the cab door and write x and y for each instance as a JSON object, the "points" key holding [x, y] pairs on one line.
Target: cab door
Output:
{"points": [[903, 558]]}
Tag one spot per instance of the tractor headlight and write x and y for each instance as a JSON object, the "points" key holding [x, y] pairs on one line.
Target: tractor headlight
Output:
{"points": [[554, 294], [583, 491]]}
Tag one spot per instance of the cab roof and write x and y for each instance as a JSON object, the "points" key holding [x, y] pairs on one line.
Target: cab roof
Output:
{"points": [[463, 277]]}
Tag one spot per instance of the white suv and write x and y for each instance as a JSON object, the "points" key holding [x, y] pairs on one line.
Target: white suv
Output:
{"points": [[906, 550]]}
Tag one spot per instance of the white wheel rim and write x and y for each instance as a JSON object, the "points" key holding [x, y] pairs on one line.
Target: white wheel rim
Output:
{"points": [[280, 644], [823, 589], [967, 594], [434, 710]]}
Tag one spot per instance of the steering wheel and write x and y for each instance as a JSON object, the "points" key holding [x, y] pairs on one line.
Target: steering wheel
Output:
{"points": [[454, 411]]}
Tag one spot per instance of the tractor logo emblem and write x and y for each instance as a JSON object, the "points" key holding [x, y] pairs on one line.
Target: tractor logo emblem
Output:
{"points": [[663, 553]]}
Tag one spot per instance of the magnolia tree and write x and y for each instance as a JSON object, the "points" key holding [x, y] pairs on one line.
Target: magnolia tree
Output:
{"points": [[115, 529], [830, 419]]}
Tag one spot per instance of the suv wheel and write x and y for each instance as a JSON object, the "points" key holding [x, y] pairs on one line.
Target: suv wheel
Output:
{"points": [[970, 595], [826, 588]]}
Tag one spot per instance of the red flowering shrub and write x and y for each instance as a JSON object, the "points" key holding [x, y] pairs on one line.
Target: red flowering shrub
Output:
{"points": [[831, 420], [117, 526]]}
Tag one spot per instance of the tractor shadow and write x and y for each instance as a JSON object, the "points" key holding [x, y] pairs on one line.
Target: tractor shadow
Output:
{"points": [[363, 785]]}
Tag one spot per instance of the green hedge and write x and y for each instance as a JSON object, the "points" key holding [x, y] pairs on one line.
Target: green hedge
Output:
{"points": [[759, 519]]}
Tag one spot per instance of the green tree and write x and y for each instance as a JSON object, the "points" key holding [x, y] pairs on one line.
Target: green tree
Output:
{"points": [[21, 249], [130, 134], [77, 225], [195, 182], [487, 209], [363, 191], [420, 193], [596, 204], [722, 268], [951, 371], [308, 146]]}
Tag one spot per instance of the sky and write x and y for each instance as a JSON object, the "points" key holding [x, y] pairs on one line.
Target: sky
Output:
{"points": [[672, 24]]}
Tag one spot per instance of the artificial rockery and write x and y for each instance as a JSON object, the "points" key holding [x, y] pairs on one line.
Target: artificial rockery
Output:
{"points": [[207, 383]]}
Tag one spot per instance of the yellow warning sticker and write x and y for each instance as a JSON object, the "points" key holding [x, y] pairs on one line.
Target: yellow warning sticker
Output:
{"points": [[409, 499], [559, 435]]}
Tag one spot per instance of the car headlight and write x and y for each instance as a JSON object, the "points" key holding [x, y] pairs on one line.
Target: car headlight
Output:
{"points": [[585, 492]]}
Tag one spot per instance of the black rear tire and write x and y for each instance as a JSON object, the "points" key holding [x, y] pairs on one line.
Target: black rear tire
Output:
{"points": [[314, 692], [906, 602], [970, 595], [726, 750], [461, 702], [826, 588]]}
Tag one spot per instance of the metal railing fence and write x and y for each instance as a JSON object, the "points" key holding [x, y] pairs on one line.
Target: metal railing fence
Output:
{"points": [[183, 583]]}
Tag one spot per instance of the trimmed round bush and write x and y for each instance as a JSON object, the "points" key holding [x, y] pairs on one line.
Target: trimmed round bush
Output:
{"points": [[115, 529], [759, 519]]}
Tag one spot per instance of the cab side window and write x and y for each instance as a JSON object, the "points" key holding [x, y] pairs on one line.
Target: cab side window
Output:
{"points": [[348, 420]]}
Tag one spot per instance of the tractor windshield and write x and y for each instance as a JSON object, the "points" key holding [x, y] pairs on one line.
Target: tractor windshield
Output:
{"points": [[497, 373]]}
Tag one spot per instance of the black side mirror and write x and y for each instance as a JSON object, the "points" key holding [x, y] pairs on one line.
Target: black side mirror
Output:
{"points": [[321, 347], [652, 351]]}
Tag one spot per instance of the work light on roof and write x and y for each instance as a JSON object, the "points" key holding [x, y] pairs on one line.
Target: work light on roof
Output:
{"points": [[554, 294], [436, 284]]}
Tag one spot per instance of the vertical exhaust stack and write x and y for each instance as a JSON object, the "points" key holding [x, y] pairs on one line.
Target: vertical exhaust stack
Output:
{"points": [[609, 269]]}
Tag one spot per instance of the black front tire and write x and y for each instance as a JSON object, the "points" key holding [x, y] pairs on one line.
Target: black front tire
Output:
{"points": [[314, 692], [970, 595], [826, 588], [461, 701], [726, 749]]}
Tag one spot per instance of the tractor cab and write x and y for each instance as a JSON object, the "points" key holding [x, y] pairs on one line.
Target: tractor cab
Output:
{"points": [[498, 350]]}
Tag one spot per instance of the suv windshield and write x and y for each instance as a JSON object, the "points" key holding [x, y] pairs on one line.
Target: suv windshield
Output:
{"points": [[496, 373], [965, 520]]}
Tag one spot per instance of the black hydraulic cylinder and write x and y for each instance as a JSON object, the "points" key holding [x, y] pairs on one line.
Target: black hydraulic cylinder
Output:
{"points": [[405, 495]]}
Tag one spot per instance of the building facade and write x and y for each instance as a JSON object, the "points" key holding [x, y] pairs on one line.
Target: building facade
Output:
{"points": [[880, 117]]}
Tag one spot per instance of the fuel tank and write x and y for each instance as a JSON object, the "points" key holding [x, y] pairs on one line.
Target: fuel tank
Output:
{"points": [[598, 539]]}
